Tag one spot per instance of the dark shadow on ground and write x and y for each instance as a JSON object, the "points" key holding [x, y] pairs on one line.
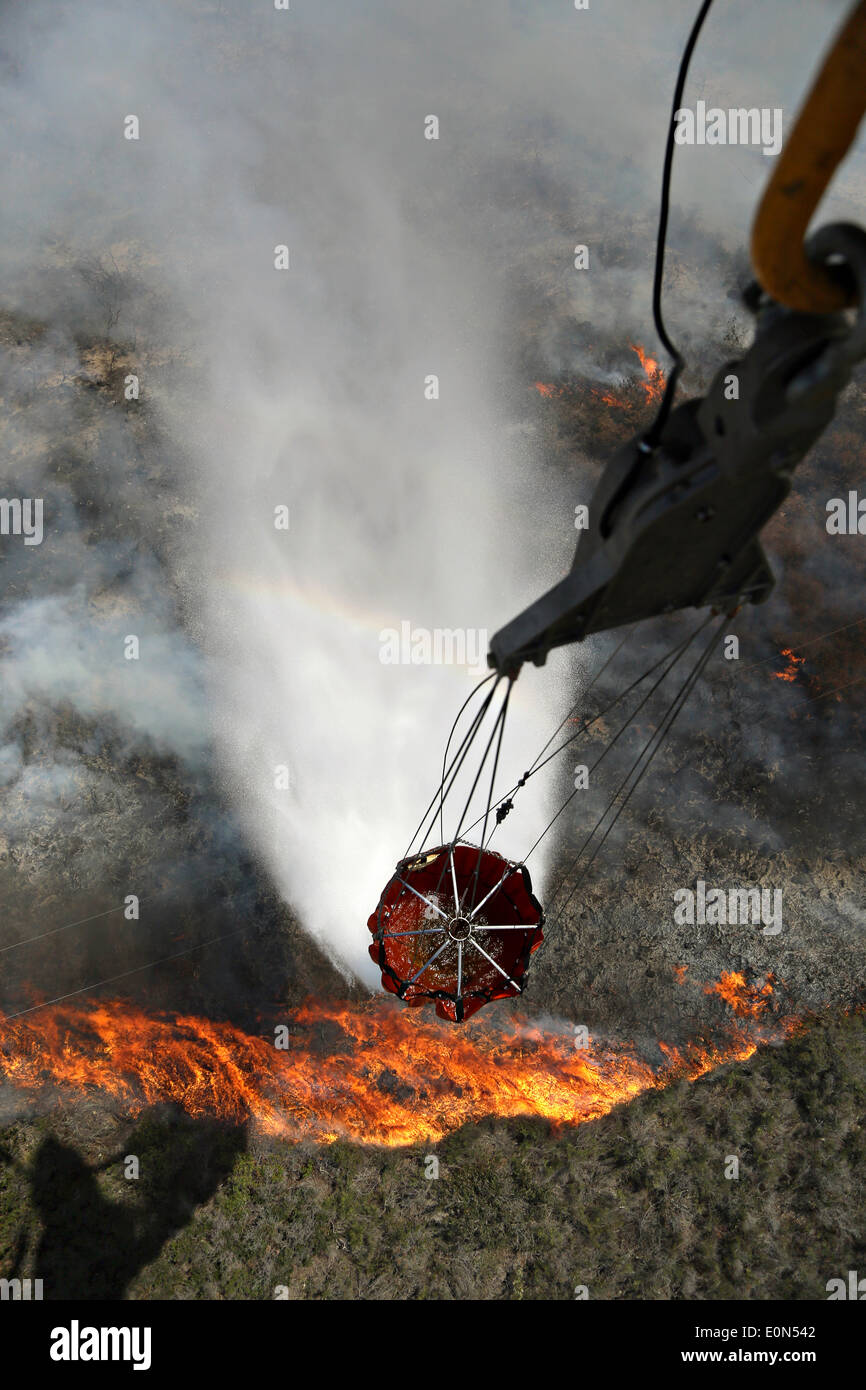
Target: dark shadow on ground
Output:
{"points": [[92, 1247]]}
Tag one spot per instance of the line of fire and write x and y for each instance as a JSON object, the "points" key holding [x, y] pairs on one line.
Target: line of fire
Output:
{"points": [[330, 973]]}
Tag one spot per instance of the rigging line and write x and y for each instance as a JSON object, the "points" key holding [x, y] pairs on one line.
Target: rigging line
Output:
{"points": [[456, 836], [467, 738], [448, 745], [85, 989], [460, 756], [674, 652], [674, 713], [582, 696], [607, 809], [681, 646], [662, 733], [678, 652], [468, 741], [504, 715], [500, 719], [448, 862], [80, 923], [652, 436], [533, 768], [755, 723], [800, 646], [109, 911], [658, 737]]}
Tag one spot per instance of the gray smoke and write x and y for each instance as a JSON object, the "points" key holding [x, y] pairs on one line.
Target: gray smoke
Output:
{"points": [[304, 388]]}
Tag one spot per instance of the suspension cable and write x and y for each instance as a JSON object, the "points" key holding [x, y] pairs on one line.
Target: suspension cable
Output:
{"points": [[538, 766], [679, 651], [459, 759], [499, 722], [651, 747], [502, 717], [581, 697], [440, 793], [652, 436], [478, 687]]}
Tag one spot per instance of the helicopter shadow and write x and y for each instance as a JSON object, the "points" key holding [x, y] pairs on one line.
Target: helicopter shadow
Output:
{"points": [[92, 1247]]}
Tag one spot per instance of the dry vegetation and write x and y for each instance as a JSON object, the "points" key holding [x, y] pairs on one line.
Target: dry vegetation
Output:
{"points": [[635, 1205]]}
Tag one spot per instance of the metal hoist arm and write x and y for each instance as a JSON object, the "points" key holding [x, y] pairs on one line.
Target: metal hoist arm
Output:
{"points": [[675, 524]]}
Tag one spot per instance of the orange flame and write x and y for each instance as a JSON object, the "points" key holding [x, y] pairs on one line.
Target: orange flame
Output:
{"points": [[653, 386], [745, 1002], [655, 383], [790, 671], [384, 1076]]}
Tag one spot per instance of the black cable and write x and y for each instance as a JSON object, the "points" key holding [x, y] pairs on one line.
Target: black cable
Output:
{"points": [[448, 745], [662, 729], [457, 765], [502, 717], [539, 766], [467, 740], [505, 804], [499, 724], [85, 989], [500, 720], [583, 694], [651, 438], [678, 652], [658, 736]]}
